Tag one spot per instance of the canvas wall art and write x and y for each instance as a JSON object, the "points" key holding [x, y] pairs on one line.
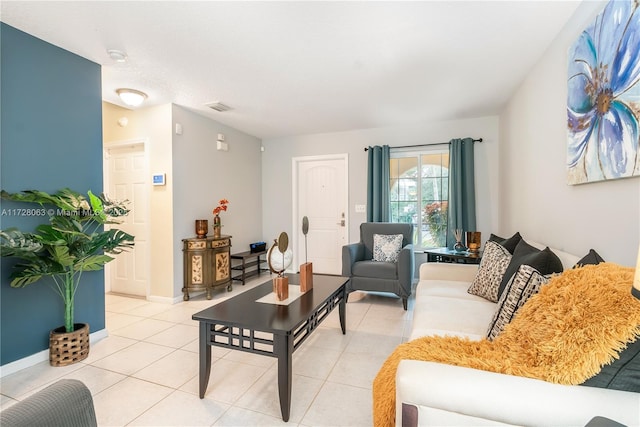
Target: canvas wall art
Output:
{"points": [[603, 102]]}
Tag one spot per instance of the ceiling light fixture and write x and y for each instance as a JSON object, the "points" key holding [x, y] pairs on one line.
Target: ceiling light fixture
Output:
{"points": [[117, 55], [131, 97]]}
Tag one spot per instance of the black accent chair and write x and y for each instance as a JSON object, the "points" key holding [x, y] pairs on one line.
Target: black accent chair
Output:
{"points": [[368, 275]]}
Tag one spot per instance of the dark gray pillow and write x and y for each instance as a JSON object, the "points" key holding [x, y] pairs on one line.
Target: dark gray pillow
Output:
{"points": [[623, 373], [510, 243], [592, 258], [545, 261]]}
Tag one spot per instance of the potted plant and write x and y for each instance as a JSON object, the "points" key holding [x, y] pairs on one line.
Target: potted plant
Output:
{"points": [[74, 241]]}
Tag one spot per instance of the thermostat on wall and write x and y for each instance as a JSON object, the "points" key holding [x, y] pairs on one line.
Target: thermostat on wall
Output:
{"points": [[159, 179]]}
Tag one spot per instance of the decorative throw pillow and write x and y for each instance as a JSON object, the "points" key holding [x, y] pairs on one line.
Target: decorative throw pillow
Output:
{"points": [[495, 260], [386, 247], [525, 283], [509, 243], [623, 373], [592, 258], [545, 261]]}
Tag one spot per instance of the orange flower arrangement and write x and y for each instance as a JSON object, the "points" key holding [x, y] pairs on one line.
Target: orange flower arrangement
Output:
{"points": [[222, 206]]}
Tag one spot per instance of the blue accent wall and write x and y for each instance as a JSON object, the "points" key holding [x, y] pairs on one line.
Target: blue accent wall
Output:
{"points": [[51, 138]]}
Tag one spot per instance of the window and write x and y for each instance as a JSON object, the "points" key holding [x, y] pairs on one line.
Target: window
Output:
{"points": [[419, 194]]}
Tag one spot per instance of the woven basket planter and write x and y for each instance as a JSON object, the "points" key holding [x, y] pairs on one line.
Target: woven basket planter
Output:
{"points": [[66, 348]]}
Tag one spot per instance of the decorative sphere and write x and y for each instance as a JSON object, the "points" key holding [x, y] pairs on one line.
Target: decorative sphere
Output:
{"points": [[276, 260]]}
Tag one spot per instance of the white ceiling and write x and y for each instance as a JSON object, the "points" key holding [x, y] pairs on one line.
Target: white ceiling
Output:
{"points": [[289, 68]]}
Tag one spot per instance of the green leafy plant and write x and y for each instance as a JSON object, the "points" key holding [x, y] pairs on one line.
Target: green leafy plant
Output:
{"points": [[73, 242], [435, 215]]}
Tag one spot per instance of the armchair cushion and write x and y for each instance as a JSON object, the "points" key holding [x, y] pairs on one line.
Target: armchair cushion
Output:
{"points": [[386, 247], [380, 270], [368, 229]]}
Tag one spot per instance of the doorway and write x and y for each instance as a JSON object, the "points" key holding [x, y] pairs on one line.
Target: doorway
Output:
{"points": [[320, 192], [126, 178]]}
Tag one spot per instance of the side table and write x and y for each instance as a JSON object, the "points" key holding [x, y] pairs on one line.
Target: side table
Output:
{"points": [[448, 255], [253, 267]]}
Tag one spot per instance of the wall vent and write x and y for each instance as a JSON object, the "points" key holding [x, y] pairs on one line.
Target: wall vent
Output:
{"points": [[218, 106]]}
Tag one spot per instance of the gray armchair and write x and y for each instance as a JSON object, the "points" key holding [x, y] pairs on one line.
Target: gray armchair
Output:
{"points": [[368, 275], [65, 403]]}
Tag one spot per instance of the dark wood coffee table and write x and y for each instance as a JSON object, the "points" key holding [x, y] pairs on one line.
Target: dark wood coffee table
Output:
{"points": [[275, 330]]}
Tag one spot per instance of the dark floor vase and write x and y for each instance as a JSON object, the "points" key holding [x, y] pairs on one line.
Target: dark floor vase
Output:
{"points": [[66, 348]]}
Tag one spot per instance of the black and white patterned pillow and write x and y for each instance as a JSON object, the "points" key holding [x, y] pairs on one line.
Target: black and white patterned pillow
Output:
{"points": [[525, 283], [495, 260], [386, 247]]}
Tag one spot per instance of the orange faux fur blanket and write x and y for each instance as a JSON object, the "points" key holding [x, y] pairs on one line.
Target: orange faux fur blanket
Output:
{"points": [[576, 324]]}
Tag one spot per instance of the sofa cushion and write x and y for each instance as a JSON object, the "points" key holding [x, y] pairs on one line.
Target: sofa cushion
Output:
{"points": [[509, 243], [521, 287], [386, 247], [443, 288], [495, 260], [545, 261], [592, 258], [623, 373], [380, 270], [433, 316]]}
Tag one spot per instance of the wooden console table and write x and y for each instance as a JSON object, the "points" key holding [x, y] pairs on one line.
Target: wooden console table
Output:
{"points": [[250, 268], [206, 264]]}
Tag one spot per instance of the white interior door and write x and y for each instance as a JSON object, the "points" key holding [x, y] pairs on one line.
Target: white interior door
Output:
{"points": [[127, 179], [321, 189]]}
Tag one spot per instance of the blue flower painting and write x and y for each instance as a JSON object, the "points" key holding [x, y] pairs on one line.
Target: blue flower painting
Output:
{"points": [[603, 103]]}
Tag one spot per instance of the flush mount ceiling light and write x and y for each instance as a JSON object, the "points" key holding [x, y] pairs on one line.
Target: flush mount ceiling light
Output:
{"points": [[131, 97], [117, 55]]}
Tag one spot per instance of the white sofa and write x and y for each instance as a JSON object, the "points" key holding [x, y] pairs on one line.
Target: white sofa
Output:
{"points": [[429, 393]]}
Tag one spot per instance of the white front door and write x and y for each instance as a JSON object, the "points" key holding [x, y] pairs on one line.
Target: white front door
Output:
{"points": [[127, 179], [320, 193]]}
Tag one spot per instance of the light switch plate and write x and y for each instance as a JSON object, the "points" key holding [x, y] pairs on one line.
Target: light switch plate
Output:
{"points": [[361, 208]]}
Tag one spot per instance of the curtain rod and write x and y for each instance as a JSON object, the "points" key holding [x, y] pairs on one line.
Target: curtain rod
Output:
{"points": [[424, 145]]}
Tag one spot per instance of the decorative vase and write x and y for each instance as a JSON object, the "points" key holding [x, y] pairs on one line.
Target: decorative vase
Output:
{"points": [[202, 226], [474, 241], [216, 226], [459, 247], [66, 348]]}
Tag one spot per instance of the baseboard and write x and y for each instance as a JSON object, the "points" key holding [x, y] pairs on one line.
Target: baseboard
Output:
{"points": [[164, 300], [171, 300], [43, 356]]}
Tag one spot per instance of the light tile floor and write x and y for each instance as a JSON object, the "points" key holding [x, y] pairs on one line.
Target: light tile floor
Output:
{"points": [[145, 373]]}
